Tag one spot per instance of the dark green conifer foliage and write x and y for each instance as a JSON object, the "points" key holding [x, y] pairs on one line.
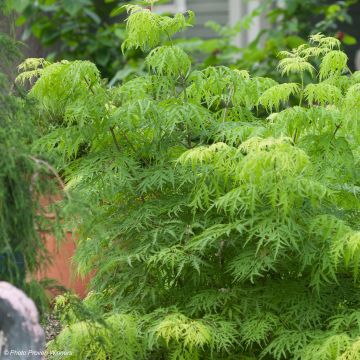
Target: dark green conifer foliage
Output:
{"points": [[24, 180], [223, 208]]}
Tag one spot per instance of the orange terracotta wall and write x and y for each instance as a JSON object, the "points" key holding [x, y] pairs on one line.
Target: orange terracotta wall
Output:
{"points": [[61, 268]]}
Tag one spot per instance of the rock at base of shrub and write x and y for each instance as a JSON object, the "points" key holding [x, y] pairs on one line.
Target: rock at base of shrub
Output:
{"points": [[21, 336]]}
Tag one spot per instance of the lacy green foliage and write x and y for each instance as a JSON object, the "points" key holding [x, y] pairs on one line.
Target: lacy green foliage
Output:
{"points": [[169, 60], [118, 335], [68, 101], [145, 29], [218, 228], [278, 95], [323, 94], [296, 62], [333, 64]]}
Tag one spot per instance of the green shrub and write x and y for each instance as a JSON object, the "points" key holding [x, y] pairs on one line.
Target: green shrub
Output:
{"points": [[222, 218]]}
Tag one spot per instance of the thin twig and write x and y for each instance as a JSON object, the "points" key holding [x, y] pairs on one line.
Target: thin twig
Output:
{"points": [[114, 139], [117, 145], [128, 141], [294, 137], [133, 147], [227, 103], [338, 126]]}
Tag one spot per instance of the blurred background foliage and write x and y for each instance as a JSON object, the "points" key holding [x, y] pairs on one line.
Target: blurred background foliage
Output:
{"points": [[94, 30], [290, 22], [81, 29]]}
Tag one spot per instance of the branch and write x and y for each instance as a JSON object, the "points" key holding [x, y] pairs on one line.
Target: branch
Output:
{"points": [[89, 85], [53, 171], [189, 142]]}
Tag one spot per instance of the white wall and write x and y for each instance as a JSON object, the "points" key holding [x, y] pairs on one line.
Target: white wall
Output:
{"points": [[238, 9], [225, 12], [174, 6]]}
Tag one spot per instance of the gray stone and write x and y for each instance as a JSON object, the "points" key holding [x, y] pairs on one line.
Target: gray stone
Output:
{"points": [[21, 336]]}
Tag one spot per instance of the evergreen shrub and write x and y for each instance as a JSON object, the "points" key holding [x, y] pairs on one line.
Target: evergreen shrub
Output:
{"points": [[25, 181]]}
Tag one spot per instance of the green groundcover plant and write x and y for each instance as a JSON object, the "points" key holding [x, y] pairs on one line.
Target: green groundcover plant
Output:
{"points": [[222, 216]]}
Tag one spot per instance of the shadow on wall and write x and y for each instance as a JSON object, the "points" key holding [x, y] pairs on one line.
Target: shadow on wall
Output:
{"points": [[61, 268]]}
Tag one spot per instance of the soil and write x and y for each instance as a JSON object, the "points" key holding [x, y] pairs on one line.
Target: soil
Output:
{"points": [[51, 326]]}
